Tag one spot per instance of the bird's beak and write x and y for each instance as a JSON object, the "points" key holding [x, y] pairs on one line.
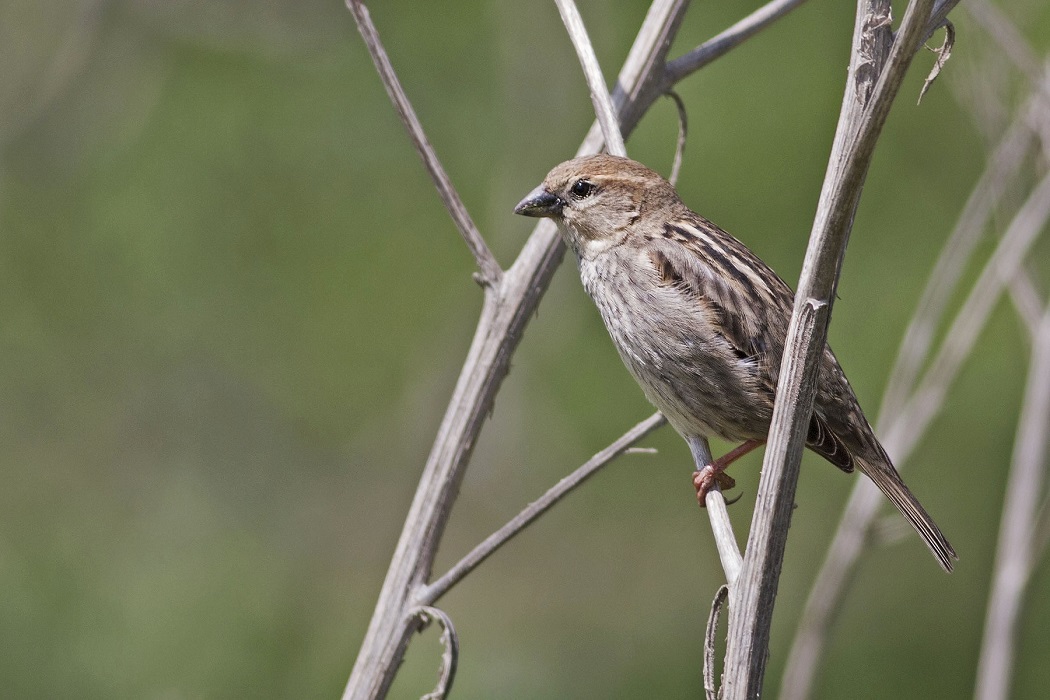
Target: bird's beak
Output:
{"points": [[540, 203]]}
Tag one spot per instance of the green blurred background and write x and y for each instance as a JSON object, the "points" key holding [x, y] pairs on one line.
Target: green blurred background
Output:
{"points": [[234, 308]]}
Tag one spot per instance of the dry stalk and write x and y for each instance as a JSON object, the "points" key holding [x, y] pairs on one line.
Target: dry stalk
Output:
{"points": [[877, 67], [907, 411]]}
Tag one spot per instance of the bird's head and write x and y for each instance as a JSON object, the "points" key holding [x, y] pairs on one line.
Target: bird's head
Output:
{"points": [[599, 200]]}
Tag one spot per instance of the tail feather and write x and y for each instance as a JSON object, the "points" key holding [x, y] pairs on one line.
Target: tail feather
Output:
{"points": [[890, 483]]}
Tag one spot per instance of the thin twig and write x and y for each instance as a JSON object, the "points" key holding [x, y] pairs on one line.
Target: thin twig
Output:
{"points": [[634, 101], [1016, 554], [486, 261], [725, 539], [710, 639], [449, 657], [718, 514], [859, 126], [683, 128], [603, 107], [480, 553], [722, 43]]}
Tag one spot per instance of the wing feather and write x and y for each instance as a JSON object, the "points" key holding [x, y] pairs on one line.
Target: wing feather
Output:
{"points": [[751, 305]]}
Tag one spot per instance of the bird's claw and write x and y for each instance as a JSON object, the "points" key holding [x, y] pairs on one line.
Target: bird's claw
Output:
{"points": [[705, 479]]}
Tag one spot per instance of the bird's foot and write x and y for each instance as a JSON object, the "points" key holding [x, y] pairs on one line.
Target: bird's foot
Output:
{"points": [[706, 479], [714, 473]]}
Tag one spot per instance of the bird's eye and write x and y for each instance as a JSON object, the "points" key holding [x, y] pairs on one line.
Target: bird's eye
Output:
{"points": [[582, 188]]}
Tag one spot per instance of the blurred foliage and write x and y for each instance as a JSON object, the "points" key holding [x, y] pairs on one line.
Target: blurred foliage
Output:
{"points": [[233, 309]]}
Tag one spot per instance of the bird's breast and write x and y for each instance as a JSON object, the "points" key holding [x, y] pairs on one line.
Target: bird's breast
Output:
{"points": [[672, 349]]}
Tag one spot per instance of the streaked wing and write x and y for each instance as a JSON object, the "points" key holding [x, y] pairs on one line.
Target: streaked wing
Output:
{"points": [[823, 440], [750, 303], [751, 306]]}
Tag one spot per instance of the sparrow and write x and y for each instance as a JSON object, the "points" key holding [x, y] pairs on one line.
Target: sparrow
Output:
{"points": [[700, 322]]}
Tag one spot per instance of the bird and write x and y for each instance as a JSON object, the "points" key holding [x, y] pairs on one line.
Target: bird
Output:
{"points": [[700, 322]]}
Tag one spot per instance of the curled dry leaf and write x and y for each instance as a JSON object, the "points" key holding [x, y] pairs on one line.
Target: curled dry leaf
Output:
{"points": [[943, 54]]}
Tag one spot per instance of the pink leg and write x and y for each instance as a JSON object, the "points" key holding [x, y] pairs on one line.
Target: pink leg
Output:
{"points": [[705, 479]]}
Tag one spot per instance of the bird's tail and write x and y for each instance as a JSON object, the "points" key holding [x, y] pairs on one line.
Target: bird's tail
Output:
{"points": [[890, 483]]}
